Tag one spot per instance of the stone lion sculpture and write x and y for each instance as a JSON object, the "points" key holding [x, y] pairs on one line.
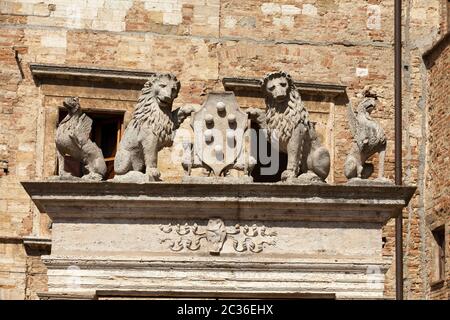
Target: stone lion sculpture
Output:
{"points": [[72, 138], [287, 121], [368, 138], [151, 128]]}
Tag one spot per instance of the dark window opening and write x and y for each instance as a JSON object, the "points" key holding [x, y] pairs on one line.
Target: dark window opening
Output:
{"points": [[439, 254], [106, 132], [257, 174]]}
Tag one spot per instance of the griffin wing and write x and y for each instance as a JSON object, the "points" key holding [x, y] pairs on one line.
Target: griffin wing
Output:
{"points": [[83, 130]]}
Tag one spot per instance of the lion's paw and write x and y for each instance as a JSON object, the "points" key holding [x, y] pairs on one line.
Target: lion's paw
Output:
{"points": [[287, 174], [153, 174], [92, 176], [254, 113]]}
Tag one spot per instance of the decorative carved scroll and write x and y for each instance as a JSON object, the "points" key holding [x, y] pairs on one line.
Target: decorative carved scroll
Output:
{"points": [[191, 237]]}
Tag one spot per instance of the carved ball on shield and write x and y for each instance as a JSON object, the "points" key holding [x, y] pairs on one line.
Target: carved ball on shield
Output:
{"points": [[230, 137], [218, 149], [220, 106], [208, 135], [209, 119], [231, 119]]}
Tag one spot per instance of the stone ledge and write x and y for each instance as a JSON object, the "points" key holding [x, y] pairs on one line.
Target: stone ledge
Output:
{"points": [[37, 243], [265, 201], [317, 264], [11, 239], [161, 238]]}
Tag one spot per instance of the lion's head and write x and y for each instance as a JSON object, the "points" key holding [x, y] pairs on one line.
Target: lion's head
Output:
{"points": [[277, 86], [164, 87], [154, 106], [369, 102], [285, 109], [72, 104], [367, 105]]}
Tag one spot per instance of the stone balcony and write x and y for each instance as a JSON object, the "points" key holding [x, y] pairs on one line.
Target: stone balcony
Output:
{"points": [[216, 240]]}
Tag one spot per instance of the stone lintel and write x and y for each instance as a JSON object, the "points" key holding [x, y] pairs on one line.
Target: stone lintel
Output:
{"points": [[256, 264], [223, 294], [66, 296], [49, 73], [183, 294], [208, 279], [252, 86]]}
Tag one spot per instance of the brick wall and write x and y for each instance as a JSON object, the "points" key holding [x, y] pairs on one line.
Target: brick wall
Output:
{"points": [[335, 41], [438, 161]]}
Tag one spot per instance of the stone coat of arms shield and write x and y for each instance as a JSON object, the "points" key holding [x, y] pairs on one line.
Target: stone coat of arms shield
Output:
{"points": [[219, 128]]}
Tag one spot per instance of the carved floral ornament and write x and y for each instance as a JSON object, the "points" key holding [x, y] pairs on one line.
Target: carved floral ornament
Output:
{"points": [[215, 234]]}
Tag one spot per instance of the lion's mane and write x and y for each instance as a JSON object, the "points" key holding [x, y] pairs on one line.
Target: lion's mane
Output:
{"points": [[283, 118], [149, 114]]}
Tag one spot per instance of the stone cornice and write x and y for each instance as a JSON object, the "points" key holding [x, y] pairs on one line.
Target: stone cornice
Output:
{"points": [[30, 242], [45, 72], [10, 239], [261, 201], [252, 85], [37, 243], [51, 73]]}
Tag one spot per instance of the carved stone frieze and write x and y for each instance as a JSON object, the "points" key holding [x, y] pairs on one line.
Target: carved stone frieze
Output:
{"points": [[215, 234]]}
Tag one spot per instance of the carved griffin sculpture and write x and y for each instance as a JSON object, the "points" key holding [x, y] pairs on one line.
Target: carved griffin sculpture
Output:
{"points": [[72, 138], [151, 128], [287, 121], [368, 139]]}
